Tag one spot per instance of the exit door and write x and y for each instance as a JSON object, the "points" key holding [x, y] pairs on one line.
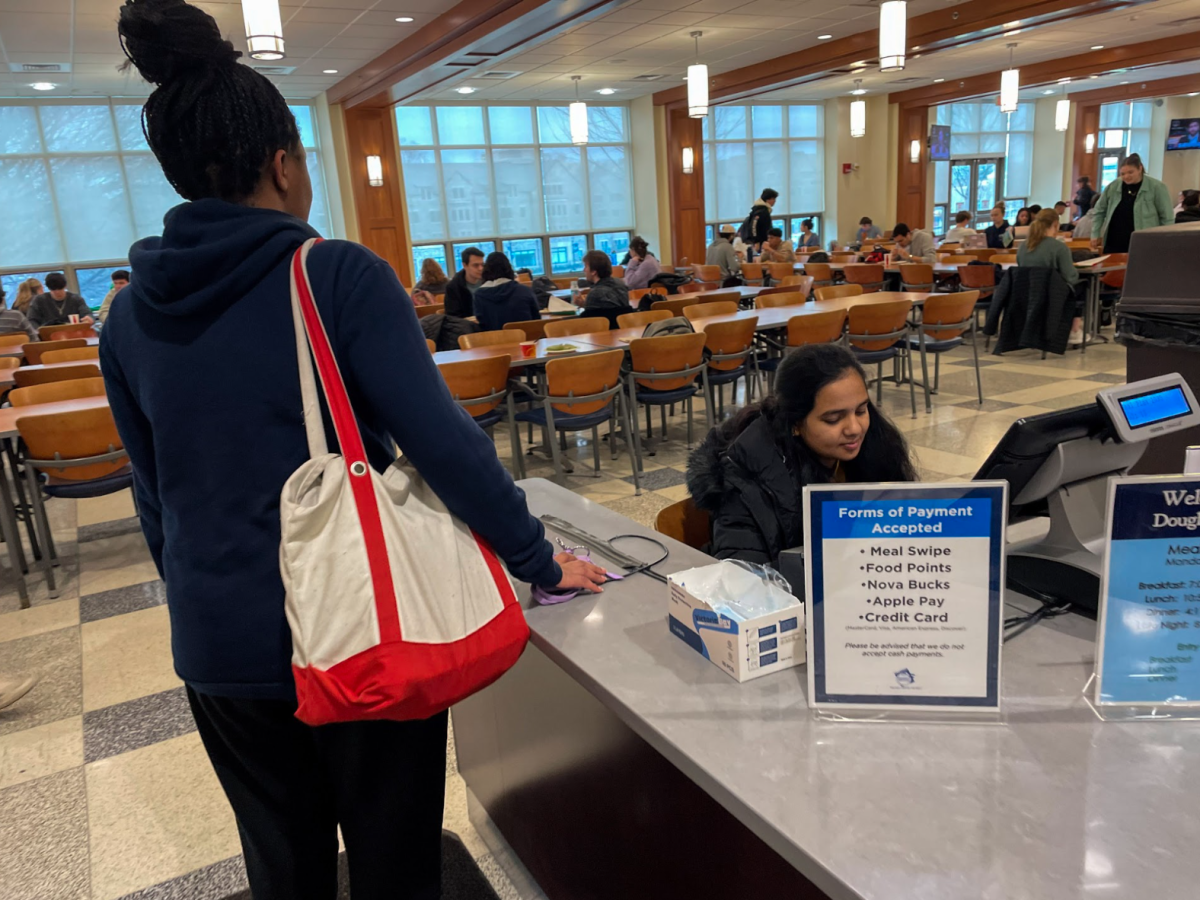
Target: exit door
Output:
{"points": [[975, 187], [1110, 161]]}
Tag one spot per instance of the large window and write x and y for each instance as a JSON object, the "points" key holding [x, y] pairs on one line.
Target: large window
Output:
{"points": [[1124, 129], [989, 150], [81, 186], [750, 148], [510, 176]]}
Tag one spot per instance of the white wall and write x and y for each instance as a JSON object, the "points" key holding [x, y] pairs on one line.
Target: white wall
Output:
{"points": [[1051, 160], [867, 190], [645, 172], [329, 163]]}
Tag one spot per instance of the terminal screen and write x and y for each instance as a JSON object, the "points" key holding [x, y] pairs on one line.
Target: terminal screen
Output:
{"points": [[1156, 406]]}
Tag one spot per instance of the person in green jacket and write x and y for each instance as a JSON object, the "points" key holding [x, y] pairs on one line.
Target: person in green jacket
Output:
{"points": [[1044, 250], [1133, 202]]}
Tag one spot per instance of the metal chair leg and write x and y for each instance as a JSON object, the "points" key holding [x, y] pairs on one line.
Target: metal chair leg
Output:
{"points": [[924, 371], [879, 383], [596, 448], [912, 389], [43, 526], [555, 453], [978, 377], [514, 435], [633, 438], [637, 483], [689, 423], [12, 538]]}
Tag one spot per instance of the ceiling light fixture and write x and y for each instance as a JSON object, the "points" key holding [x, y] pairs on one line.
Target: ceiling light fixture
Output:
{"points": [[1051, 91], [824, 37], [938, 80], [697, 84], [42, 86], [264, 30], [859, 90], [1010, 84], [1098, 47], [578, 115], [607, 92], [329, 71], [464, 90], [858, 118], [1062, 111], [404, 20], [893, 21], [1193, 93]]}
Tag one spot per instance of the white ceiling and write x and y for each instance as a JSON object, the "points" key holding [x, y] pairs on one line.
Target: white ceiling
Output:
{"points": [[318, 35]]}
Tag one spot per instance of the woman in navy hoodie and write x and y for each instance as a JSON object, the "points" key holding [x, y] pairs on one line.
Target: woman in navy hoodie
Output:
{"points": [[210, 456], [500, 298]]}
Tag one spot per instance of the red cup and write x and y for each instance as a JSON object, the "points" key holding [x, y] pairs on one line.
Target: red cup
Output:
{"points": [[528, 349]]}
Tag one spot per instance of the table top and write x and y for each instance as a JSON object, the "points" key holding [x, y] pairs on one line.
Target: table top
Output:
{"points": [[745, 291], [20, 351], [10, 414], [1050, 804], [540, 356]]}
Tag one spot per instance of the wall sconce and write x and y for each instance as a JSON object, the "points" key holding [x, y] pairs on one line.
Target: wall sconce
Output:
{"points": [[374, 171], [914, 151], [689, 161], [1089, 143]]}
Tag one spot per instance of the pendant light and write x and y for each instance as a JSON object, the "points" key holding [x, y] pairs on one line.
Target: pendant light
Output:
{"points": [[579, 122], [697, 84], [893, 23], [858, 112], [264, 29], [1062, 111], [1010, 84]]}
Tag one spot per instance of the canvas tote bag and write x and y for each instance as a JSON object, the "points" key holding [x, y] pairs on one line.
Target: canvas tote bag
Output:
{"points": [[397, 609]]}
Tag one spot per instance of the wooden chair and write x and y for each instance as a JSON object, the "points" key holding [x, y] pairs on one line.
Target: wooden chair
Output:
{"points": [[569, 327], [788, 298], [956, 259], [691, 287], [674, 305], [1001, 258], [753, 273], [479, 386], [641, 319], [1079, 244], [618, 271], [35, 349], [780, 272], [711, 308], [945, 319], [843, 257], [9, 362], [731, 357], [916, 277], [887, 234], [877, 333], [507, 337], [24, 376], [983, 280], [984, 253], [837, 291], [816, 328], [582, 393], [533, 330], [685, 522], [13, 340], [664, 372], [710, 276], [431, 345], [821, 273], [804, 282], [432, 309], [639, 293], [1114, 280], [54, 391], [47, 332], [524, 278], [71, 354], [71, 455], [869, 275]]}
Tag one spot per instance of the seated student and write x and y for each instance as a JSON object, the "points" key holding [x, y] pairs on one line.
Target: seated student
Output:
{"points": [[433, 283], [500, 299], [999, 233], [120, 279], [961, 229], [27, 291], [914, 246], [809, 240], [867, 231], [13, 321], [57, 305], [642, 265], [1191, 208], [608, 296], [818, 426], [776, 249], [720, 253], [1064, 221], [1044, 249], [1086, 223]]}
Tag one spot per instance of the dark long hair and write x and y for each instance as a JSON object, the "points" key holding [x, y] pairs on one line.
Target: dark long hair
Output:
{"points": [[497, 266], [884, 455], [213, 124]]}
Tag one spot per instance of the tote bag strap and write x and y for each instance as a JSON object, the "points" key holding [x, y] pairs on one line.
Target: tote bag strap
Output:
{"points": [[309, 325]]}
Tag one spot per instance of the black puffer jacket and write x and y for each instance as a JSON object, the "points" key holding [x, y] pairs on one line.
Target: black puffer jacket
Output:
{"points": [[747, 486]]}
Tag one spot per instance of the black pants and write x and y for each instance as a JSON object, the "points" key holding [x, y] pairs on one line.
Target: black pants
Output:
{"points": [[291, 785]]}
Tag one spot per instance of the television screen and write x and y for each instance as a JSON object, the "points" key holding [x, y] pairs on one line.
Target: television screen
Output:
{"points": [[939, 142], [1184, 134]]}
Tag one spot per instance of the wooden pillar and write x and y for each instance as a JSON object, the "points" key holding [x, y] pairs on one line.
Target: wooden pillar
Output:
{"points": [[1087, 121], [371, 131], [911, 176], [687, 191]]}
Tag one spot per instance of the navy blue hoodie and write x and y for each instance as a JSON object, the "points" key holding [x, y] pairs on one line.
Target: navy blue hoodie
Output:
{"points": [[199, 358], [498, 304]]}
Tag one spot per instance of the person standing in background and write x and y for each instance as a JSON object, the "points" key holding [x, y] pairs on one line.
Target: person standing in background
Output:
{"points": [[1085, 196], [1132, 202], [57, 305], [120, 279], [758, 223]]}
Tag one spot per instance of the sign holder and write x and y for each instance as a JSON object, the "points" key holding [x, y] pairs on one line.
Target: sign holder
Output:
{"points": [[905, 587], [1148, 638]]}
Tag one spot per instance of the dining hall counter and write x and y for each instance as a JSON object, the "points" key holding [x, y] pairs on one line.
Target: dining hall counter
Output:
{"points": [[619, 763]]}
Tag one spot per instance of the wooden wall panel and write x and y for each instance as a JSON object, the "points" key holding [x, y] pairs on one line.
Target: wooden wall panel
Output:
{"points": [[687, 191], [1087, 121], [911, 177], [371, 131]]}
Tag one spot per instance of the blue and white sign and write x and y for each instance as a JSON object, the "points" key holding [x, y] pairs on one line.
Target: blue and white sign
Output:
{"points": [[1149, 643], [905, 592]]}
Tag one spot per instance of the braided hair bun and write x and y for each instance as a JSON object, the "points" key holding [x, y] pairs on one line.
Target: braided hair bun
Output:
{"points": [[213, 123]]}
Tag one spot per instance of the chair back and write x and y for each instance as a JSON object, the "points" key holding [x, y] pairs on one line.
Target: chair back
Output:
{"points": [[641, 319], [523, 278], [711, 308], [984, 253], [787, 298], [780, 271], [73, 435], [71, 354], [431, 345], [675, 305], [691, 287], [956, 259], [14, 340], [837, 291], [534, 330], [977, 276], [1001, 258], [507, 337], [889, 319], [568, 327], [477, 378], [753, 272], [35, 349], [55, 391], [819, 271], [816, 328], [24, 376], [669, 353], [917, 275], [685, 522], [949, 309], [47, 332], [618, 271], [843, 257], [432, 309], [723, 338], [639, 293], [869, 275], [802, 282], [9, 362], [1115, 280], [582, 376], [707, 274]]}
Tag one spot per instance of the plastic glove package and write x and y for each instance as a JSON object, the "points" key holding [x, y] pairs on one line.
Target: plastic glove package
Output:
{"points": [[741, 617]]}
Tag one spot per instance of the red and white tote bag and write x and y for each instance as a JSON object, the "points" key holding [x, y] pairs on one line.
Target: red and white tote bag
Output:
{"points": [[397, 609]]}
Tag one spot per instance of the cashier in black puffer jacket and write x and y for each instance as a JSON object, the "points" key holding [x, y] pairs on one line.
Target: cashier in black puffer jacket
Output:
{"points": [[819, 426]]}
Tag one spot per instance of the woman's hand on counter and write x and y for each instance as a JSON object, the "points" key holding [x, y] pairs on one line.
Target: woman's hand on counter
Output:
{"points": [[579, 574]]}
